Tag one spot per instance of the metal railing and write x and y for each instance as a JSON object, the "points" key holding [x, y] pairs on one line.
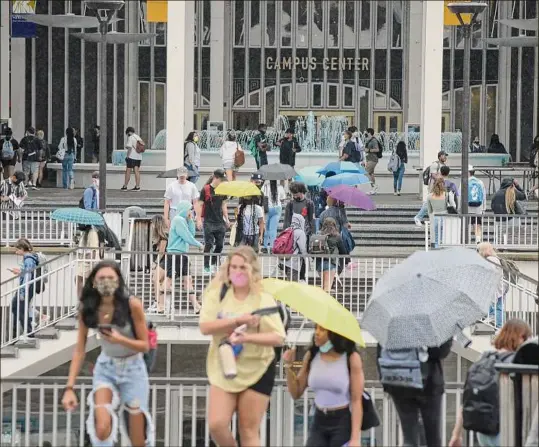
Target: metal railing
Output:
{"points": [[55, 302], [36, 226], [31, 413], [517, 232]]}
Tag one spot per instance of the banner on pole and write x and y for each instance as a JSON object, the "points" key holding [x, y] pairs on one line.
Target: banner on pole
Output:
{"points": [[20, 27], [451, 19], [157, 10]]}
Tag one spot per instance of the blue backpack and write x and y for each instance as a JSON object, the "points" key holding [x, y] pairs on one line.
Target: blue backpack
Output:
{"points": [[7, 150], [403, 368], [475, 193], [347, 240]]}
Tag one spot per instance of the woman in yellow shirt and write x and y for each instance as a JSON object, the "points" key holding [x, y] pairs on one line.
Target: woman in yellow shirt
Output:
{"points": [[248, 393]]}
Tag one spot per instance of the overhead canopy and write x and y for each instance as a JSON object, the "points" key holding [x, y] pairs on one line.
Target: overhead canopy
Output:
{"points": [[114, 37], [524, 24], [65, 20], [518, 41]]}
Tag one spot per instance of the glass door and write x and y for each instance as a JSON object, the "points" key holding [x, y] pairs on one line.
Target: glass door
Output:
{"points": [[387, 122], [446, 122], [246, 121], [200, 119]]}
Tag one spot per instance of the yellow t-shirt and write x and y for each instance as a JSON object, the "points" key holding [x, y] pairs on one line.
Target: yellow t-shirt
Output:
{"points": [[254, 360]]}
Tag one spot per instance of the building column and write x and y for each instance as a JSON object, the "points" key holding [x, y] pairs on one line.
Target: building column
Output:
{"points": [[4, 60], [503, 104], [18, 87], [431, 81], [131, 69], [176, 93], [414, 62], [217, 45], [189, 69]]}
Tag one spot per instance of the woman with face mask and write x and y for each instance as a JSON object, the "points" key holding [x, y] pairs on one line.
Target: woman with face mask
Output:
{"points": [[120, 378], [226, 315], [191, 155], [332, 368]]}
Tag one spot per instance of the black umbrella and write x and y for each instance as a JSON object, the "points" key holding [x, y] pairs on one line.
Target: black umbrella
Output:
{"points": [[277, 171], [173, 173]]}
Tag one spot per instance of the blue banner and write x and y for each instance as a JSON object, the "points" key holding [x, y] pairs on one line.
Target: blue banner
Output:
{"points": [[20, 27]]}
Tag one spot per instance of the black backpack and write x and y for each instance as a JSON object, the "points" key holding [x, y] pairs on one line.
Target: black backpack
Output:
{"points": [[31, 148], [284, 313], [480, 402], [380, 152]]}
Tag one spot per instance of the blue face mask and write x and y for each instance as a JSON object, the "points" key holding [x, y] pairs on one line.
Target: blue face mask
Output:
{"points": [[326, 347]]}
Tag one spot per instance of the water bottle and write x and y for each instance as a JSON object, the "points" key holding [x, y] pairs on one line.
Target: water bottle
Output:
{"points": [[228, 360]]}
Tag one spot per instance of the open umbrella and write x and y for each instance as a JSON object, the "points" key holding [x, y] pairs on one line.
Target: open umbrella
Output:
{"points": [[277, 171], [310, 176], [342, 167], [79, 216], [351, 196], [237, 188], [345, 179], [173, 173], [316, 305], [430, 298]]}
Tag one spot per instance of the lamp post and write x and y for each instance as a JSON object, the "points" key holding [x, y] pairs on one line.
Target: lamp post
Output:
{"points": [[473, 8]]}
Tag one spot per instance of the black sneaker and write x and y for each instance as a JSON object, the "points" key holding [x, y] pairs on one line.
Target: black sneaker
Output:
{"points": [[124, 188], [136, 188]]}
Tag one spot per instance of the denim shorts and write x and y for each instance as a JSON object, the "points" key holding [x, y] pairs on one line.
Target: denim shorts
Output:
{"points": [[325, 266], [128, 379]]}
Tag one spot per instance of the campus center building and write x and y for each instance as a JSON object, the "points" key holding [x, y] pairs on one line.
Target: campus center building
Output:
{"points": [[262, 59]]}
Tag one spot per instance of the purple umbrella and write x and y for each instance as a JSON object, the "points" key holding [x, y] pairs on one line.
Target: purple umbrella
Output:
{"points": [[351, 196]]}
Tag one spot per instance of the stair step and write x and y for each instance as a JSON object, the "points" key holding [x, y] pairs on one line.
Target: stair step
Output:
{"points": [[69, 324], [28, 343], [9, 352], [48, 333]]}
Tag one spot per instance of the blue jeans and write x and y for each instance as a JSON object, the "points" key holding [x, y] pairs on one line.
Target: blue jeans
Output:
{"points": [[397, 177], [438, 226], [488, 440], [497, 313], [274, 214], [422, 212], [18, 304], [67, 170], [127, 378]]}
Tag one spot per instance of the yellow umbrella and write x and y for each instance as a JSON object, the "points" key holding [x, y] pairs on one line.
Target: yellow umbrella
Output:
{"points": [[316, 305], [237, 189]]}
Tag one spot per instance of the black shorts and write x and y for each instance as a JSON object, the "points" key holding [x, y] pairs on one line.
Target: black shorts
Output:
{"points": [[181, 267], [476, 220], [11, 162], [266, 382], [130, 163]]}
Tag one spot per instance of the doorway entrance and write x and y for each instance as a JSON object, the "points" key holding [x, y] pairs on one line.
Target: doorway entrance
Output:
{"points": [[387, 122]]}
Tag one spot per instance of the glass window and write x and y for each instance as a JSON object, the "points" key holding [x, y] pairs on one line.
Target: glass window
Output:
{"points": [[381, 24], [161, 31], [364, 109], [475, 112], [270, 73], [317, 95], [302, 95], [302, 69], [448, 30], [458, 110], [207, 23], [365, 33], [348, 96], [477, 31], [239, 23], [349, 31], [286, 93], [160, 107], [332, 66], [144, 110], [317, 37], [446, 104], [255, 55], [270, 107], [317, 74], [254, 100], [349, 71], [380, 65], [492, 91], [302, 37], [255, 33], [379, 100], [271, 29], [381, 123], [333, 38], [286, 23], [396, 40], [195, 18], [333, 97], [286, 65]]}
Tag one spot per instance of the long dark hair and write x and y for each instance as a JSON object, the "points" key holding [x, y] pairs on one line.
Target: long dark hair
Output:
{"points": [[90, 299], [70, 138], [244, 203], [190, 137], [273, 190], [341, 345]]}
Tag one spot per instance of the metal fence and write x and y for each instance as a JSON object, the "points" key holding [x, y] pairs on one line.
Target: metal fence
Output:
{"points": [[31, 413], [502, 231]]}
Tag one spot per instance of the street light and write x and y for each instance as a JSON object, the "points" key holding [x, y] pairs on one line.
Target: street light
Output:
{"points": [[105, 11], [474, 9]]}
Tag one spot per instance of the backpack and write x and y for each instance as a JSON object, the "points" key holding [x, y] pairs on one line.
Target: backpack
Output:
{"points": [[239, 158], [284, 243], [253, 150], [81, 201], [347, 240], [149, 357], [7, 150], [207, 198], [284, 313], [403, 368], [475, 193], [318, 245], [140, 147], [426, 174], [394, 162], [31, 149], [480, 400], [319, 202], [380, 148], [510, 269], [41, 269]]}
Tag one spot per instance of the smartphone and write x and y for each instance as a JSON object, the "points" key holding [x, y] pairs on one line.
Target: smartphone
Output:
{"points": [[104, 327]]}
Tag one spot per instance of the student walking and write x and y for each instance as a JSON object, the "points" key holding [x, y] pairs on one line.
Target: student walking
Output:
{"points": [[433, 173], [133, 158], [276, 195], [90, 197], [191, 157], [9, 153], [159, 244], [179, 191], [300, 204], [398, 174], [228, 155], [328, 267], [43, 156], [66, 154], [120, 390], [251, 223], [373, 150], [30, 157], [227, 317], [437, 203]]}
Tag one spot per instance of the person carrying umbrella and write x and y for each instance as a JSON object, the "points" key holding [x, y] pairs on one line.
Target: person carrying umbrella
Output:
{"points": [[289, 147], [300, 205]]}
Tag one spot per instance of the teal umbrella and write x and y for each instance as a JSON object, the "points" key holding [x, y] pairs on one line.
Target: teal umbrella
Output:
{"points": [[79, 216], [310, 176]]}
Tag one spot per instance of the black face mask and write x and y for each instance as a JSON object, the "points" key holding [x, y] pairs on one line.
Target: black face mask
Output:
{"points": [[298, 199]]}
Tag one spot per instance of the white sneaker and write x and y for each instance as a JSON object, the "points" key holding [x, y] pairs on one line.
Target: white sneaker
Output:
{"points": [[418, 223]]}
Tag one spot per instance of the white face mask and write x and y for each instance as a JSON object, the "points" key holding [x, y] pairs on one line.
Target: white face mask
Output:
{"points": [[95, 181]]}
